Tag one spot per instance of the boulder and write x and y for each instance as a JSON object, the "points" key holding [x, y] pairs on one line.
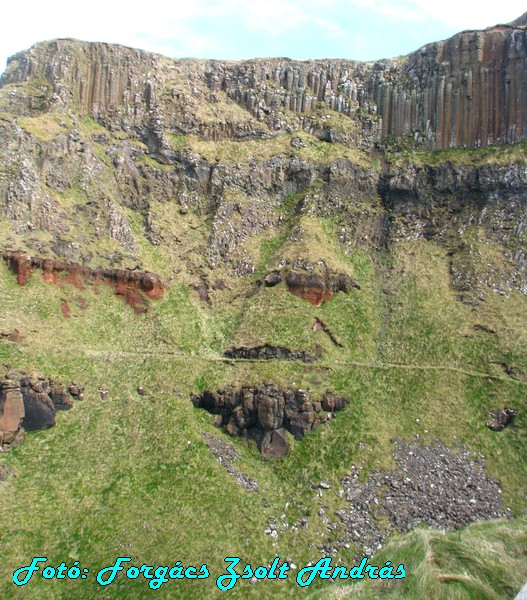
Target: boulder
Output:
{"points": [[38, 406], [332, 403], [76, 391], [272, 279], [60, 397], [502, 418], [273, 444]]}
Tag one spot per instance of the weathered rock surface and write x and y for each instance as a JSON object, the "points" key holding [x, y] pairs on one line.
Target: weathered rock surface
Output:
{"points": [[39, 408], [440, 203], [11, 414], [319, 287], [265, 412], [134, 286], [30, 403], [273, 444], [60, 397]]}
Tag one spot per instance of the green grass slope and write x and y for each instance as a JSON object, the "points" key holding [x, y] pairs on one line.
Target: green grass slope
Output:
{"points": [[132, 475]]}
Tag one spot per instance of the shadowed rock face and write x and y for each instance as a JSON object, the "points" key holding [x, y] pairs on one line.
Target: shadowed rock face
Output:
{"points": [[39, 408], [265, 412], [42, 398], [134, 286]]}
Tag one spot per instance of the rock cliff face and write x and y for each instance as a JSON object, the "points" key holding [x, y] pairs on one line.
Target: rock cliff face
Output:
{"points": [[466, 91], [469, 90], [111, 153], [440, 202]]}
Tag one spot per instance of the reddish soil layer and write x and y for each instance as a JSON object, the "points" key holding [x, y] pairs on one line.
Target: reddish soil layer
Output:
{"points": [[314, 295], [134, 286], [319, 287]]}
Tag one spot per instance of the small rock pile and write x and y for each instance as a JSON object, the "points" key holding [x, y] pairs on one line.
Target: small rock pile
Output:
{"points": [[226, 454], [501, 418]]}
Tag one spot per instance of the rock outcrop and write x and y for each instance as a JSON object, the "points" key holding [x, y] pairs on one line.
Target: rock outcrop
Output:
{"points": [[268, 352], [317, 288], [30, 403], [265, 412], [501, 418], [39, 408], [439, 202], [134, 286], [43, 397]]}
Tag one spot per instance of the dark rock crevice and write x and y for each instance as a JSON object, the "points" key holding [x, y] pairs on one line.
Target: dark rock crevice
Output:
{"points": [[319, 325]]}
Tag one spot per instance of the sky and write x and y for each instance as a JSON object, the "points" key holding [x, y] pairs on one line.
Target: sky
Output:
{"points": [[237, 29]]}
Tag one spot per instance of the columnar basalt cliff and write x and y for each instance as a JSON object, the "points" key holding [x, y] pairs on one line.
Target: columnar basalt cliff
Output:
{"points": [[319, 225], [469, 90]]}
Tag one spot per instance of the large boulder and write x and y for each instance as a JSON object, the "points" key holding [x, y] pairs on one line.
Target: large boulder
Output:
{"points": [[60, 397], [39, 408], [273, 444]]}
